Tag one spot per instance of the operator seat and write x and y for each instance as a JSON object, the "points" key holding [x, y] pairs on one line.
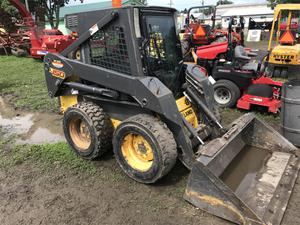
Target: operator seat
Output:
{"points": [[242, 60]]}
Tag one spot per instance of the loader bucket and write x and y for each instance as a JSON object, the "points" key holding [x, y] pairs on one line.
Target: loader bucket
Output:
{"points": [[246, 176]]}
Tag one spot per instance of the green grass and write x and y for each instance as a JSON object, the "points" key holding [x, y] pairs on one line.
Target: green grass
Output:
{"points": [[22, 81], [48, 156]]}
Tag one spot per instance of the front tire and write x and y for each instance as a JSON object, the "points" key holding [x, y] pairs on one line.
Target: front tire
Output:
{"points": [[144, 148], [226, 93], [88, 130]]}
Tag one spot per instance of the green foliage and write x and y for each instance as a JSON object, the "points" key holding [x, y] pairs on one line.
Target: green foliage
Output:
{"points": [[52, 8], [48, 155], [7, 7], [22, 80], [275, 2], [143, 2], [224, 2]]}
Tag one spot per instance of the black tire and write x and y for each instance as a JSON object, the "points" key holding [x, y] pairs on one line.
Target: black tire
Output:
{"points": [[284, 73], [277, 72], [231, 89], [160, 139], [99, 127], [262, 90]]}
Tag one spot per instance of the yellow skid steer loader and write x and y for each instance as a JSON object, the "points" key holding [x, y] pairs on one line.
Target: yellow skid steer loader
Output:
{"points": [[130, 90]]}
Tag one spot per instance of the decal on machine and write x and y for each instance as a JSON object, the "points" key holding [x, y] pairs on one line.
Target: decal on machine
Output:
{"points": [[93, 29], [57, 73], [40, 52], [57, 63], [284, 56]]}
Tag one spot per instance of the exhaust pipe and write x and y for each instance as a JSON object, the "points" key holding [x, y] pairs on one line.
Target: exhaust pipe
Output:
{"points": [[246, 176]]}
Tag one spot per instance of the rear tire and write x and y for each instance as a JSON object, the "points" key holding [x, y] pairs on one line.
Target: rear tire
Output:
{"points": [[226, 93], [277, 72], [144, 148], [284, 73], [88, 130]]}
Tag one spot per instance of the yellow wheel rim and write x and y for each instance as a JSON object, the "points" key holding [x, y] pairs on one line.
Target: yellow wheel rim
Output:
{"points": [[80, 134], [78, 55], [137, 152]]}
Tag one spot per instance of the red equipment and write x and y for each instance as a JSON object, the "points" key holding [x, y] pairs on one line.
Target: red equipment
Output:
{"points": [[204, 34], [239, 82], [212, 51], [51, 40], [273, 104]]}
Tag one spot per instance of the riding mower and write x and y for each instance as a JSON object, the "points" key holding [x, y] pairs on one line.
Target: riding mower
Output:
{"points": [[132, 92], [239, 81]]}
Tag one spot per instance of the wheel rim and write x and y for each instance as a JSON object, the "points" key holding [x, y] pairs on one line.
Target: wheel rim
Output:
{"points": [[77, 55], [222, 96], [137, 152], [80, 134]]}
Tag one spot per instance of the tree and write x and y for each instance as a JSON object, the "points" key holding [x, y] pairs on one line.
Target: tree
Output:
{"points": [[275, 2], [7, 7], [224, 2], [52, 8], [143, 2]]}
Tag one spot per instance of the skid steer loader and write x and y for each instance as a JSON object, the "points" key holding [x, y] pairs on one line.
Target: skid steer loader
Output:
{"points": [[131, 91]]}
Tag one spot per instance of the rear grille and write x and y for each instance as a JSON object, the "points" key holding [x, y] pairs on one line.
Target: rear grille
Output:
{"points": [[72, 21], [109, 50]]}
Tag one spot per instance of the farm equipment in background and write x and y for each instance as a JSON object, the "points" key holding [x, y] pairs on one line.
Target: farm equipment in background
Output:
{"points": [[284, 59], [50, 40], [199, 33], [4, 42], [240, 81], [131, 91]]}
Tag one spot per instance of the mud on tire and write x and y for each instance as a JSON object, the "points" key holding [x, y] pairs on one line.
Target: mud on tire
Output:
{"points": [[157, 135], [97, 125]]}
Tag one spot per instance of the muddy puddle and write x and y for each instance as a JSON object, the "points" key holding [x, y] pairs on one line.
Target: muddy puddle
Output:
{"points": [[30, 128], [244, 169]]}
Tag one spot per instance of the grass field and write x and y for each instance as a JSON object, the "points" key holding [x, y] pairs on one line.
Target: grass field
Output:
{"points": [[22, 82]]}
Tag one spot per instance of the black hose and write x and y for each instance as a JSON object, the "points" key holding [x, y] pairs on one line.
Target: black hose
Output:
{"points": [[203, 107], [92, 89]]}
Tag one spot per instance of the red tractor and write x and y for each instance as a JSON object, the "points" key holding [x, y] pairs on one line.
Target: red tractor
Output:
{"points": [[199, 33], [51, 40]]}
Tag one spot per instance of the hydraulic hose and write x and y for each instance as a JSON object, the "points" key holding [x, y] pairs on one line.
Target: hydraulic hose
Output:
{"points": [[203, 107]]}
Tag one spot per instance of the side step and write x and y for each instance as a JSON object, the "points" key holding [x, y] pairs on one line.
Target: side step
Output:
{"points": [[246, 176]]}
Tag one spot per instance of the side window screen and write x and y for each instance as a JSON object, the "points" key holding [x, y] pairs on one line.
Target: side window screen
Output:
{"points": [[108, 49]]}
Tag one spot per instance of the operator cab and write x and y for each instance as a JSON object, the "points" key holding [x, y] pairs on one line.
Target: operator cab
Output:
{"points": [[162, 54]]}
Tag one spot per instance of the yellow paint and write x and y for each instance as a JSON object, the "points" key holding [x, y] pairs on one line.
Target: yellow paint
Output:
{"points": [[195, 57], [186, 109], [57, 73], [115, 122], [67, 101], [277, 17], [215, 202], [281, 52], [137, 152]]}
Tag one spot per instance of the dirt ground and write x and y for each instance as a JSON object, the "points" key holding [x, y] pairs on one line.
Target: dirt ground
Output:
{"points": [[34, 194]]}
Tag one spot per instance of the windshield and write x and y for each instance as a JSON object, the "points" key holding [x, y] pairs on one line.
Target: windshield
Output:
{"points": [[163, 50]]}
